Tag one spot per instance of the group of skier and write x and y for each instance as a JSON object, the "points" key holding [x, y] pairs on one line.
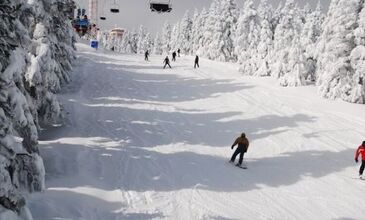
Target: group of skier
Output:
{"points": [[242, 141], [243, 144], [166, 61]]}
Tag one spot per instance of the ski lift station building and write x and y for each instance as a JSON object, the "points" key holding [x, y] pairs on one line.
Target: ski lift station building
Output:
{"points": [[116, 33]]}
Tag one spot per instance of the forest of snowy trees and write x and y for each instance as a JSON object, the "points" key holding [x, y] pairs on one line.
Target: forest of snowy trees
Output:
{"points": [[36, 51], [297, 46]]}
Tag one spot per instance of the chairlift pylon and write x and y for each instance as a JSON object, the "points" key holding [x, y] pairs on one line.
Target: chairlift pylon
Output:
{"points": [[160, 6]]}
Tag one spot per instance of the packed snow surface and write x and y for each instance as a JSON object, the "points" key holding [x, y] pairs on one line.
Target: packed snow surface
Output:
{"points": [[146, 143]]}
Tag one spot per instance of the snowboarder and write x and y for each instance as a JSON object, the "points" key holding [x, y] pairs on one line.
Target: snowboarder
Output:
{"points": [[174, 56], [146, 54], [196, 64], [243, 144], [361, 151], [178, 52], [166, 62]]}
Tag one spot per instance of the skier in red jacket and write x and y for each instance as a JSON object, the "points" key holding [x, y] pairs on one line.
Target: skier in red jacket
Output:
{"points": [[361, 151]]}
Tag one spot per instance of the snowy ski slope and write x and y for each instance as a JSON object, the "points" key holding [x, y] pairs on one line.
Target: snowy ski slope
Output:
{"points": [[145, 143]]}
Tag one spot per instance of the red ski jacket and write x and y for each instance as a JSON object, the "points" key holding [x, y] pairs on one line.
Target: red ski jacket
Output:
{"points": [[360, 151]]}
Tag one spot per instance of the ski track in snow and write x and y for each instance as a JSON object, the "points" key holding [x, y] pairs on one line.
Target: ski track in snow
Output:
{"points": [[145, 143]]}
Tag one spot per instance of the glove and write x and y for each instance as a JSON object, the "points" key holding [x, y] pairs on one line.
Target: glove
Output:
{"points": [[356, 160]]}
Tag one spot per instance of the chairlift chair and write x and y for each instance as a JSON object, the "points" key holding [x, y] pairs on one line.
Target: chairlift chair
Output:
{"points": [[102, 14], [160, 6], [114, 7]]}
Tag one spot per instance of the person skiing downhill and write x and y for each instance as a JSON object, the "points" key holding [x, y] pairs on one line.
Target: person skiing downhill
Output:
{"points": [[178, 52], [166, 62], [196, 62], [361, 151], [174, 56], [146, 54], [243, 144]]}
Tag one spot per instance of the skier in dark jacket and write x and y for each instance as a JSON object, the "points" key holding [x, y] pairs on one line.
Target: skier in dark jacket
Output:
{"points": [[146, 54], [174, 56], [196, 63], [243, 144], [178, 52], [361, 151], [166, 62]]}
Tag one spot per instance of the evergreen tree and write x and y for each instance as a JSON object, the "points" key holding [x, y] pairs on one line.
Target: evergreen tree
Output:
{"points": [[141, 40], [340, 60], [248, 36], [312, 29], [175, 41], [185, 35], [222, 48], [209, 30], [36, 52], [166, 38], [289, 26], [265, 45], [197, 30], [157, 45]]}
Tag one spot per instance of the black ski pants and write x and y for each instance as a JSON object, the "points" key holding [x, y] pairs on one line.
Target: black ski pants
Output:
{"points": [[166, 65], [362, 167], [241, 151], [196, 64]]}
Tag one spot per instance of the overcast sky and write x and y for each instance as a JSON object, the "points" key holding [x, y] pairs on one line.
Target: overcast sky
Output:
{"points": [[136, 12]]}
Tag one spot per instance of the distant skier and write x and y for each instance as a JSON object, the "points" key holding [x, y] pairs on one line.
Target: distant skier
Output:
{"points": [[361, 151], [166, 62], [243, 144], [196, 63], [174, 56], [146, 54], [178, 52]]}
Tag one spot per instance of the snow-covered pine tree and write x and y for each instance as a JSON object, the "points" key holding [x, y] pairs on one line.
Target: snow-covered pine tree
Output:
{"points": [[166, 38], [36, 55], [265, 45], [357, 58], [141, 38], [222, 48], [312, 29], [277, 15], [340, 59], [209, 29], [289, 26], [175, 41], [50, 56], [197, 30], [248, 36], [296, 67], [157, 45], [185, 36], [133, 40], [148, 43]]}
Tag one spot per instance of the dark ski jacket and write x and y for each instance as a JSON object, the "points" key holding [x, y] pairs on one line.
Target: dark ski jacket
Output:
{"points": [[166, 61], [196, 59], [242, 142]]}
